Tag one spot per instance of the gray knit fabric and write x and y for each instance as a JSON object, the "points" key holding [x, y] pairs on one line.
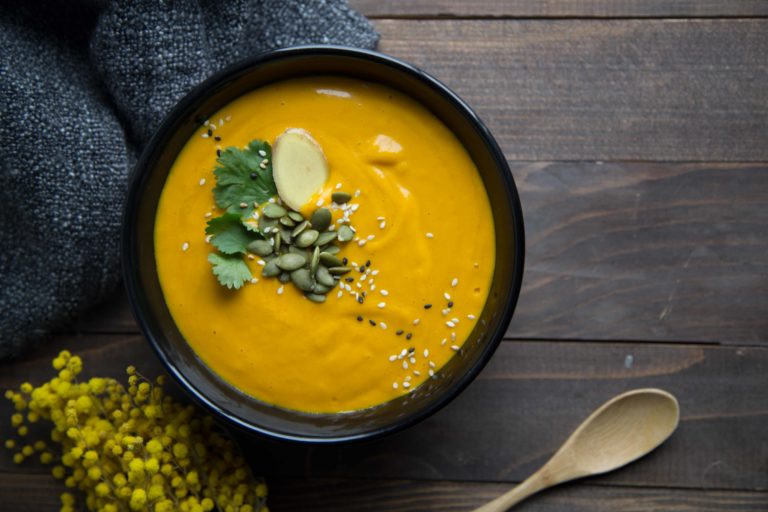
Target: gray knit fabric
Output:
{"points": [[83, 84]]}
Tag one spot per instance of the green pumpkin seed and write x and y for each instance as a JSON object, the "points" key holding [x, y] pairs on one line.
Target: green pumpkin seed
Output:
{"points": [[298, 250], [325, 238], [265, 223], [278, 241], [273, 211], [260, 247], [324, 277], [285, 234], [306, 238], [340, 197], [291, 261], [321, 219], [270, 269], [339, 271], [285, 277], [315, 297], [299, 229], [329, 260], [303, 279], [332, 249], [296, 216], [315, 260], [287, 221], [321, 288], [345, 233]]}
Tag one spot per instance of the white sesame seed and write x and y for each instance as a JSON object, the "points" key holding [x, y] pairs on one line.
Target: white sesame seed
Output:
{"points": [[405, 365], [373, 286], [382, 305], [404, 352], [359, 285], [392, 358], [471, 317], [261, 262], [208, 215], [380, 218], [455, 347], [208, 238], [455, 282], [207, 122], [361, 242], [455, 320], [262, 153], [338, 186], [357, 193], [384, 292], [354, 207], [426, 352], [430, 235], [371, 237], [406, 384], [374, 272], [407, 378], [184, 246], [445, 340], [205, 135], [431, 373], [432, 364], [254, 280], [202, 181], [272, 200], [476, 265], [319, 202], [453, 336], [338, 295], [382, 325], [446, 311], [447, 296], [416, 321], [412, 360], [370, 282], [331, 228], [251, 257], [417, 373], [228, 118], [280, 290], [382, 224], [394, 385], [221, 122], [212, 126]]}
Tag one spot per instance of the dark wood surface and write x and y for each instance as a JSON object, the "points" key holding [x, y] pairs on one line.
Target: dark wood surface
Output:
{"points": [[640, 147]]}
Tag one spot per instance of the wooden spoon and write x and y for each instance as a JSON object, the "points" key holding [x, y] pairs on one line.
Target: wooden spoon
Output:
{"points": [[621, 431]]}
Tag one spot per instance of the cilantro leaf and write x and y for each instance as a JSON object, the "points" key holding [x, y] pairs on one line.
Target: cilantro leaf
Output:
{"points": [[240, 178], [229, 234], [231, 271]]}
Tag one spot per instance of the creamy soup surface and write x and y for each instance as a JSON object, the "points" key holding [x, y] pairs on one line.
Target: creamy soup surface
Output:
{"points": [[429, 236]]}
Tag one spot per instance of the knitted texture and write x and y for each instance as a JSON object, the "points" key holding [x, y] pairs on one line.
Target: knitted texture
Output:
{"points": [[83, 85]]}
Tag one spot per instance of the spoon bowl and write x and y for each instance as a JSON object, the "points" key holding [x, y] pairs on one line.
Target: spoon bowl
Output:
{"points": [[620, 431]]}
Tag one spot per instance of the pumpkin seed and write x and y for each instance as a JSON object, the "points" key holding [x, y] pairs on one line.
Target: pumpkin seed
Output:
{"points": [[285, 234], [324, 277], [315, 297], [270, 269], [341, 197], [287, 221], [325, 238], [260, 247], [265, 223], [298, 250], [306, 238], [302, 279], [291, 261], [278, 241], [274, 211], [315, 260], [345, 233], [321, 219], [300, 228], [321, 288], [296, 216], [284, 277], [329, 260], [339, 271], [332, 249]]}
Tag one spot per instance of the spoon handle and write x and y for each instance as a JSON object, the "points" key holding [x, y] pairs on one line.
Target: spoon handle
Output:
{"points": [[530, 486]]}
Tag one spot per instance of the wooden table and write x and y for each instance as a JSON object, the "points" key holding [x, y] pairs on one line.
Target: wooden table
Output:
{"points": [[637, 133]]}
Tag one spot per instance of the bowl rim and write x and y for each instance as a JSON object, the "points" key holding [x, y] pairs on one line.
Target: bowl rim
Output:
{"points": [[141, 170]]}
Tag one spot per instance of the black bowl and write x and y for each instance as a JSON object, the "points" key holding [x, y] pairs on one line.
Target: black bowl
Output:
{"points": [[151, 312]]}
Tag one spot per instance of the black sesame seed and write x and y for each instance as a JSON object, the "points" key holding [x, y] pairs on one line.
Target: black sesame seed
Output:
{"points": [[450, 303], [254, 175], [362, 269], [217, 138], [363, 294], [218, 152], [345, 261], [359, 319], [408, 336], [360, 299], [427, 306], [411, 350], [349, 279], [210, 132], [368, 263], [400, 332], [372, 322]]}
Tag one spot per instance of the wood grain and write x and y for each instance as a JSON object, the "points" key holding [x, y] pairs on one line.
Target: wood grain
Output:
{"points": [[521, 408], [630, 251], [603, 89], [559, 8], [40, 493]]}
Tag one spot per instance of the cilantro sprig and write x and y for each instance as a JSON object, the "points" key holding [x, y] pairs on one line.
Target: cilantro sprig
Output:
{"points": [[243, 182]]}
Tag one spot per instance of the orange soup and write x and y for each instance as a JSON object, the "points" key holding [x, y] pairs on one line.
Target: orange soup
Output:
{"points": [[421, 261]]}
